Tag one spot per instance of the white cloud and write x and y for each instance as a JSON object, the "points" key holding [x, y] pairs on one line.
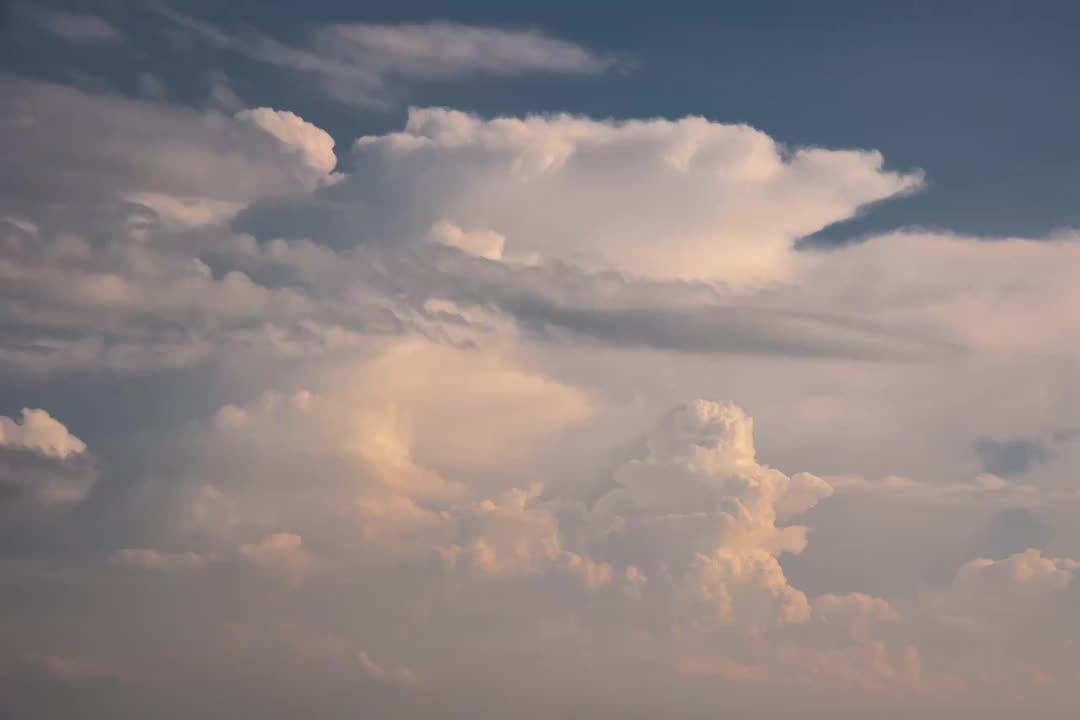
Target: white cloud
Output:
{"points": [[75, 146], [41, 459], [446, 50], [511, 536], [187, 211], [313, 144], [1018, 295], [495, 413], [41, 432], [481, 243], [461, 463], [701, 511], [703, 195]]}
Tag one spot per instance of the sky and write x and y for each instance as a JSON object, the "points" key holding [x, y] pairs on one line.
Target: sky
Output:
{"points": [[539, 360]]}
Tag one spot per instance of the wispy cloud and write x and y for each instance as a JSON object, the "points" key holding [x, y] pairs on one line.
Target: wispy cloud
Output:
{"points": [[360, 62], [78, 28]]}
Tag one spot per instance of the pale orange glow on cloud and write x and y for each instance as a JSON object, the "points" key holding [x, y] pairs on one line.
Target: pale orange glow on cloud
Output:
{"points": [[333, 384]]}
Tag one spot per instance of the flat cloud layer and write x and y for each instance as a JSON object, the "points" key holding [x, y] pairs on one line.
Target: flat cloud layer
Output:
{"points": [[413, 437]]}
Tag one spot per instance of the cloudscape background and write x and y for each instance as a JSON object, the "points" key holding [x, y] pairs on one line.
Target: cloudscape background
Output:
{"points": [[518, 360]]}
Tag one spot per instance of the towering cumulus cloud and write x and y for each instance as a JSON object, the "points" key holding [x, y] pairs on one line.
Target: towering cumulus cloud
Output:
{"points": [[657, 198]]}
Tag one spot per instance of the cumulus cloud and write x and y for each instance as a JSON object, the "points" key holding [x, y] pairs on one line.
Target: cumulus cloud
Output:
{"points": [[512, 536], [507, 174], [311, 143], [677, 558], [40, 458], [41, 432], [283, 555], [481, 243], [64, 145], [401, 458], [432, 420], [296, 296], [700, 512]]}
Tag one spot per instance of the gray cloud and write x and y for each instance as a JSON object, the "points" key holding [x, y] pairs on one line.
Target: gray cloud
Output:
{"points": [[361, 63], [77, 28]]}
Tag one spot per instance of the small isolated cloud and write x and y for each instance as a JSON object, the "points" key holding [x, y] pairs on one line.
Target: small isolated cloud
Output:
{"points": [[41, 459], [282, 555], [78, 28], [401, 676], [41, 432], [987, 579], [480, 243], [362, 63]]}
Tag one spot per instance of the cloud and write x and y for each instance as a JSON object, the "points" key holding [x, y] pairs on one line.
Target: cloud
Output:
{"points": [[401, 457], [74, 669], [222, 95], [401, 676], [1022, 570], [436, 420], [154, 561], [441, 50], [41, 432], [66, 146], [41, 459], [78, 28], [512, 536], [479, 243], [700, 511], [361, 63], [146, 197], [676, 561], [311, 143], [1019, 297], [283, 555], [559, 186], [1025, 603]]}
